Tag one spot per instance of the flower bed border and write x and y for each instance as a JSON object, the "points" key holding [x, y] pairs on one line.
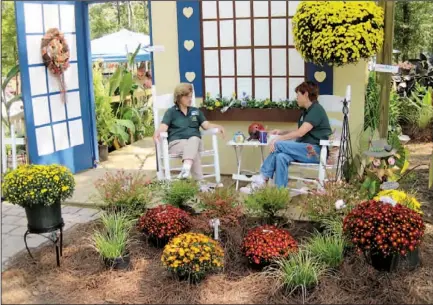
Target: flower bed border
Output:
{"points": [[253, 114]]}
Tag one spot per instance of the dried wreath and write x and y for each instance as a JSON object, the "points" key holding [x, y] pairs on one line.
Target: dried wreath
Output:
{"points": [[55, 55]]}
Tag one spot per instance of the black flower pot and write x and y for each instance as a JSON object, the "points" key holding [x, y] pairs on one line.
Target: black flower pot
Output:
{"points": [[103, 152], [413, 259], [384, 263], [42, 218], [158, 242], [119, 263]]}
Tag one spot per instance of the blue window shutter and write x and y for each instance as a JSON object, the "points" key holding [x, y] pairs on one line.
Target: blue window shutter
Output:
{"points": [[315, 73], [189, 32]]}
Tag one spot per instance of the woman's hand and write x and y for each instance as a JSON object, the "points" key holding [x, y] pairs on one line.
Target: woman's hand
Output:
{"points": [[156, 136], [275, 132], [272, 144], [222, 131]]}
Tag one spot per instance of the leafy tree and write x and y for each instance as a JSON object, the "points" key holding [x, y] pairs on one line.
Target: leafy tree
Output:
{"points": [[9, 37], [413, 28]]}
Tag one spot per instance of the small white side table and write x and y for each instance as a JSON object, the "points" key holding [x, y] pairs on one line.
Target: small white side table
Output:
{"points": [[238, 147]]}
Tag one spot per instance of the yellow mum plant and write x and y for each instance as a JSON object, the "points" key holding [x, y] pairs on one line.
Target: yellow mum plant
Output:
{"points": [[192, 255], [45, 185], [402, 198], [338, 32]]}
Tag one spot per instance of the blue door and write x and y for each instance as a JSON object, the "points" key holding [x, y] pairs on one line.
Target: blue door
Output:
{"points": [[58, 132]]}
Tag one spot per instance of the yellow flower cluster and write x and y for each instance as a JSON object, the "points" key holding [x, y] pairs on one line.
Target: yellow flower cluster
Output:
{"points": [[402, 198], [192, 254], [38, 185], [338, 32]]}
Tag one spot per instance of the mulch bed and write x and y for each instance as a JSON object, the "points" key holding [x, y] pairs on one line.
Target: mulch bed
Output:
{"points": [[82, 278]]}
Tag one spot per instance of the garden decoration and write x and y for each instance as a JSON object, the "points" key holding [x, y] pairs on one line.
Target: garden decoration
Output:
{"points": [[163, 223], [265, 244], [238, 137], [345, 157], [40, 189], [254, 131], [215, 223], [338, 32], [192, 256], [384, 231], [55, 55]]}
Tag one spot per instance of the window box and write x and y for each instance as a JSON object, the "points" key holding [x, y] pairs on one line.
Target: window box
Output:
{"points": [[253, 114]]}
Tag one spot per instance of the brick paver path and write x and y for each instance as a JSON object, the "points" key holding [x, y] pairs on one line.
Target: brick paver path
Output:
{"points": [[14, 225]]}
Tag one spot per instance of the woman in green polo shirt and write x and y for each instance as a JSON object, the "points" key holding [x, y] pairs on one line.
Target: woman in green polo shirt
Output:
{"points": [[301, 145], [183, 122]]}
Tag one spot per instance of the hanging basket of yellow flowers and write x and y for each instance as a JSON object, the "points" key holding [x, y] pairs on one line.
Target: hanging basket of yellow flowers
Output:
{"points": [[338, 32]]}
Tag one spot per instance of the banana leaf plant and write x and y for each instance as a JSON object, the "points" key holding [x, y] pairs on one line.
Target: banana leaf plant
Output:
{"points": [[7, 103]]}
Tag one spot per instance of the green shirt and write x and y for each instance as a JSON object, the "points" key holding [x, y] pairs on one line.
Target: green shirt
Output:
{"points": [[181, 126], [316, 116]]}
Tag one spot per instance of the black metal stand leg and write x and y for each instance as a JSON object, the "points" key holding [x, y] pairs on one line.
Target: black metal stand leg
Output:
{"points": [[57, 254], [61, 241], [25, 242]]}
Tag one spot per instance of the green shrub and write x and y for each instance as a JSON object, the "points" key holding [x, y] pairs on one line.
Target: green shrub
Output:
{"points": [[178, 192], [129, 193], [112, 240], [226, 194], [268, 201], [327, 249]]}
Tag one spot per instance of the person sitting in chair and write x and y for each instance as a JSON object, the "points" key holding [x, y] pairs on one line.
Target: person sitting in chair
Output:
{"points": [[183, 122], [301, 145]]}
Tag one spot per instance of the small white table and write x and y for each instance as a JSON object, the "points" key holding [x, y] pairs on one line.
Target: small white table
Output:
{"points": [[240, 175]]}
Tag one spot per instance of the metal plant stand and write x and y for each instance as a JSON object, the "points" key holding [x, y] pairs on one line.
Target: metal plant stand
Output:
{"points": [[56, 238], [345, 156]]}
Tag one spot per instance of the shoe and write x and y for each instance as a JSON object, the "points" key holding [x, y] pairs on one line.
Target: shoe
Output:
{"points": [[258, 181], [184, 174]]}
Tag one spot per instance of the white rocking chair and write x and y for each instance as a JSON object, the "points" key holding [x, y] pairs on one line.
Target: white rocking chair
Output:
{"points": [[331, 104], [160, 105]]}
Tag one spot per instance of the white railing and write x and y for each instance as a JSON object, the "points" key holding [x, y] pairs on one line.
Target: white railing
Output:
{"points": [[13, 141]]}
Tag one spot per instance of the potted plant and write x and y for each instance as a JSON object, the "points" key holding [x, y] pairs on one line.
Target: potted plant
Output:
{"points": [[104, 122], [179, 192], [112, 241], [265, 244], [39, 189], [164, 222], [191, 256], [383, 231]]}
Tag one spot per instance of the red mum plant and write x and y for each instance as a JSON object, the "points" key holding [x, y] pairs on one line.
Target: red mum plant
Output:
{"points": [[381, 228], [164, 222], [264, 244]]}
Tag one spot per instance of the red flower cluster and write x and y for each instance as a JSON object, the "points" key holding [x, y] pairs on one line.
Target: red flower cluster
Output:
{"points": [[164, 221], [379, 227], [264, 244]]}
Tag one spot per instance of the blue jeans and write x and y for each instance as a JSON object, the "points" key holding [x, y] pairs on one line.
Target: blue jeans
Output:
{"points": [[285, 153]]}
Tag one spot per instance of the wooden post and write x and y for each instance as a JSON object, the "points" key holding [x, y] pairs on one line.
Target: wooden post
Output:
{"points": [[385, 57]]}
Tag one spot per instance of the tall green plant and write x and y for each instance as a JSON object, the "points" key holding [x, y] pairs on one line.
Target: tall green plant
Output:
{"points": [[8, 103]]}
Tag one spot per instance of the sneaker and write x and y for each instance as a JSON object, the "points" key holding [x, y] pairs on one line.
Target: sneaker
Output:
{"points": [[258, 181], [184, 174]]}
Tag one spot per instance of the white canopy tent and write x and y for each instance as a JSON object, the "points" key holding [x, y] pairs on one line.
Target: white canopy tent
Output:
{"points": [[114, 47]]}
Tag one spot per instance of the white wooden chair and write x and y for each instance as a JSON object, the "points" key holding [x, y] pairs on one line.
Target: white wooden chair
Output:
{"points": [[160, 105], [333, 105]]}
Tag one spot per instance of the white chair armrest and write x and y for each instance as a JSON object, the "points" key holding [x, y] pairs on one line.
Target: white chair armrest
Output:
{"points": [[329, 142], [210, 131], [164, 135]]}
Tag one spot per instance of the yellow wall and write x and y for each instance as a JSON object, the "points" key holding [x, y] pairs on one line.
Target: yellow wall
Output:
{"points": [[166, 65]]}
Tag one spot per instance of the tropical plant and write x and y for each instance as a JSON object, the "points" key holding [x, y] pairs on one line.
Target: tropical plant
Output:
{"points": [[338, 32], [327, 248], [45, 185], [268, 201], [265, 244], [192, 256], [377, 227], [164, 222], [178, 192], [112, 240], [120, 191]]}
